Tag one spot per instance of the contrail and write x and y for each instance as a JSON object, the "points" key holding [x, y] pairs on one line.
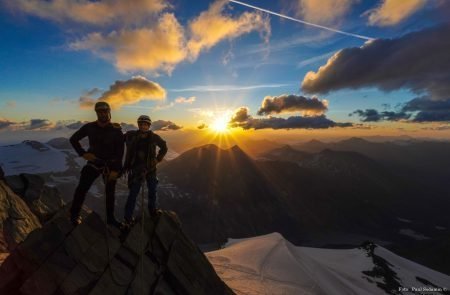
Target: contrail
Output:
{"points": [[302, 21]]}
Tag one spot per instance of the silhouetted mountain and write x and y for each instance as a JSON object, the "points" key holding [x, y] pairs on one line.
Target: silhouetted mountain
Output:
{"points": [[285, 153], [225, 195], [424, 162]]}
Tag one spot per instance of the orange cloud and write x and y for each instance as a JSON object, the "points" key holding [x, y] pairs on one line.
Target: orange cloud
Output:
{"points": [[131, 91], [213, 26], [147, 49], [392, 12], [324, 12], [91, 12]]}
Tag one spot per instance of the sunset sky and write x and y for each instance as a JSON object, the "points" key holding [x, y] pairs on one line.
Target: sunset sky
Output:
{"points": [[195, 66]]}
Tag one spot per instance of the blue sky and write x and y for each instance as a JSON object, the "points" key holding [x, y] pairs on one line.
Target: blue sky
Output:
{"points": [[43, 74]]}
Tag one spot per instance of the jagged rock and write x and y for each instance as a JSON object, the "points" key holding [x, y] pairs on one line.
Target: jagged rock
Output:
{"points": [[153, 257], [43, 200], [16, 219]]}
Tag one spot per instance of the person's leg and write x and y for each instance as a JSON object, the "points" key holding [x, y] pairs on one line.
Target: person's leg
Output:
{"points": [[110, 188], [152, 185], [135, 187], [87, 177]]}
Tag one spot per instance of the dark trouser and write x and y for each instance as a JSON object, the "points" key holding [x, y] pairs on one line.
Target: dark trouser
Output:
{"points": [[135, 186], [88, 175]]}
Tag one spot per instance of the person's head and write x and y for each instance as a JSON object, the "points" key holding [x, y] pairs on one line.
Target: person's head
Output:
{"points": [[103, 112], [144, 122]]}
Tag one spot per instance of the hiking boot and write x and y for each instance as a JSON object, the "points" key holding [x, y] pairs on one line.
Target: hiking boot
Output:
{"points": [[75, 220]]}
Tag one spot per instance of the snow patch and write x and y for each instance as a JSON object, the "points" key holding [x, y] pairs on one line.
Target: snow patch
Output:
{"points": [[28, 158], [270, 264]]}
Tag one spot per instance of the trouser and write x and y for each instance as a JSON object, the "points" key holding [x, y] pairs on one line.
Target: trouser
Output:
{"points": [[134, 185], [88, 175]]}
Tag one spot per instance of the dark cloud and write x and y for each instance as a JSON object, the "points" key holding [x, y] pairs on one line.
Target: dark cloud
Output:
{"points": [[419, 61], [38, 124], [432, 116], [202, 126], [428, 110], [372, 115], [5, 123], [240, 115], [292, 103], [76, 125], [295, 122], [164, 125], [242, 119]]}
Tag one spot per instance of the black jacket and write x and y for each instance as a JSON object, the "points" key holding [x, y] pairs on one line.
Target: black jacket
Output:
{"points": [[150, 140], [106, 143]]}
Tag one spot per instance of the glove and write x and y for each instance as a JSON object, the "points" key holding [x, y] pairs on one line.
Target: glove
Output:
{"points": [[89, 156], [113, 175]]}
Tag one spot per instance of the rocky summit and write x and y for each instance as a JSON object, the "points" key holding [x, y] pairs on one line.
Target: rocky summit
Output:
{"points": [[153, 256]]}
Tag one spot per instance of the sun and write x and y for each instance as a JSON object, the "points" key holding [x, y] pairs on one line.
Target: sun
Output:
{"points": [[220, 124]]}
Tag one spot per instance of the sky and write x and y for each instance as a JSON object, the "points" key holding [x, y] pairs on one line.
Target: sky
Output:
{"points": [[284, 68]]}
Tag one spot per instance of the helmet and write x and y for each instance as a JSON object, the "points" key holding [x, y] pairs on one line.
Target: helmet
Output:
{"points": [[144, 118], [102, 106]]}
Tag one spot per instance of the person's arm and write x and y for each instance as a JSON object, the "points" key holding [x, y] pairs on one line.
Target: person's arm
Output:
{"points": [[162, 148], [76, 137]]}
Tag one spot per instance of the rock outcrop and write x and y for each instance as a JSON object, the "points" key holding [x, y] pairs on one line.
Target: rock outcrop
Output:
{"points": [[153, 257], [16, 220], [43, 200]]}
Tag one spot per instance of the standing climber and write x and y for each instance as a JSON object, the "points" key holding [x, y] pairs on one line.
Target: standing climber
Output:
{"points": [[140, 164], [104, 157]]}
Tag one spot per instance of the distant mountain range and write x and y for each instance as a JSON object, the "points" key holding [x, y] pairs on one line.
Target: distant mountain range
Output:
{"points": [[319, 194]]}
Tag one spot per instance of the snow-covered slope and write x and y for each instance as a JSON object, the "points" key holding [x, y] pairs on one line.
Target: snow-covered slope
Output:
{"points": [[31, 157], [272, 265]]}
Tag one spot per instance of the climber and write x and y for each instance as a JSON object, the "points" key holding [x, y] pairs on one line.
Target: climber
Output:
{"points": [[104, 156], [140, 164]]}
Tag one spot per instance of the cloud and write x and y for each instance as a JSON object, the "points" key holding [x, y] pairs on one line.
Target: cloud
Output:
{"points": [[202, 126], [240, 115], [242, 119], [213, 26], [41, 124], [293, 103], [418, 61], [5, 123], [164, 125], [76, 125], [392, 12], [131, 91], [91, 12], [150, 49], [372, 115], [428, 110], [188, 100], [324, 12]]}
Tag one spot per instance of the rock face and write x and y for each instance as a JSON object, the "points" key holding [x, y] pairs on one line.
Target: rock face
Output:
{"points": [[43, 200], [154, 257], [16, 219]]}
